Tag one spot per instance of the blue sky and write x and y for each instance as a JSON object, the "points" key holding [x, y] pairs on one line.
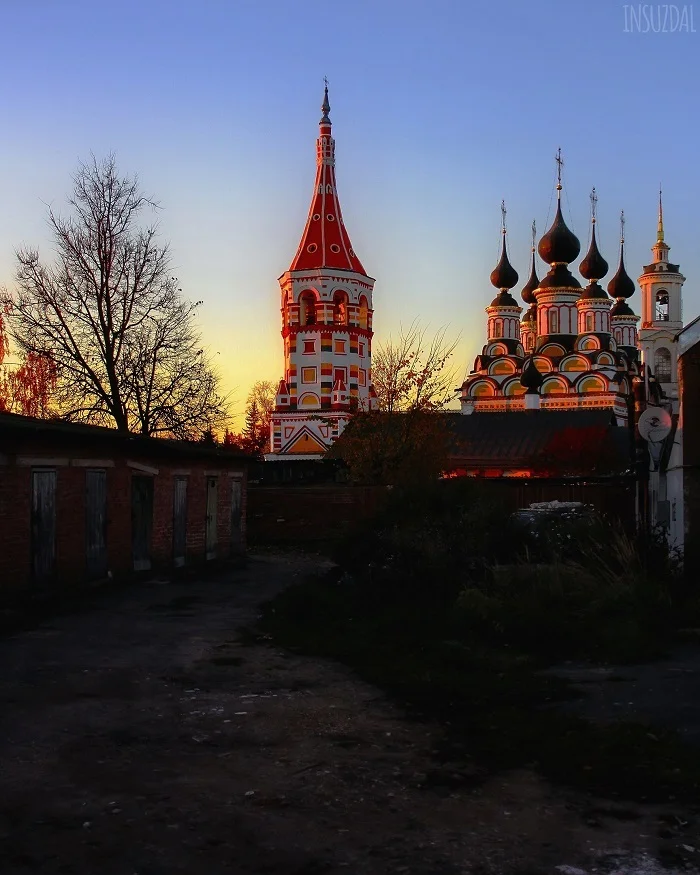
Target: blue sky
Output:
{"points": [[440, 109]]}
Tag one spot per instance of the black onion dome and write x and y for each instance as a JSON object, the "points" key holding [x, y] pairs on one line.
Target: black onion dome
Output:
{"points": [[531, 378], [559, 277], [593, 266], [593, 291], [559, 245], [621, 286], [504, 275], [504, 299], [621, 308], [533, 282]]}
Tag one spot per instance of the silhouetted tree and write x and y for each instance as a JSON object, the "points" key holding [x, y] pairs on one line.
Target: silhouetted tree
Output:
{"points": [[412, 373], [112, 319]]}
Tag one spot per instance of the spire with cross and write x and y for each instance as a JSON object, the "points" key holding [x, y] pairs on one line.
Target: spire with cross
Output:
{"points": [[560, 164]]}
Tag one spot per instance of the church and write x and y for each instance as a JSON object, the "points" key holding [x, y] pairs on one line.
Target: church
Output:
{"points": [[575, 347]]}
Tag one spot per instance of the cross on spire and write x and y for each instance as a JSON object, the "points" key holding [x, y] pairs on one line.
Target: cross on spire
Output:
{"points": [[560, 164], [534, 233], [660, 229], [622, 226], [503, 216], [594, 205]]}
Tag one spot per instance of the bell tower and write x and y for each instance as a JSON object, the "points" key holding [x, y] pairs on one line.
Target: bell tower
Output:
{"points": [[661, 283], [326, 306]]}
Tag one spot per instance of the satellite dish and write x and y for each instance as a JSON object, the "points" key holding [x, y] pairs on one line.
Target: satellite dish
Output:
{"points": [[654, 424]]}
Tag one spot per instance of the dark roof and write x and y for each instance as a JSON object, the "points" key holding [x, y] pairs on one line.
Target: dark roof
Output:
{"points": [[670, 268], [14, 427], [566, 442]]}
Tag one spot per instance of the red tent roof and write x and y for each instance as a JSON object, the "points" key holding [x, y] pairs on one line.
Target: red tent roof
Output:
{"points": [[325, 242]]}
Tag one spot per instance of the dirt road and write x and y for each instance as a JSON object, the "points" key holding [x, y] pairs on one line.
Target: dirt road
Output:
{"points": [[145, 735]]}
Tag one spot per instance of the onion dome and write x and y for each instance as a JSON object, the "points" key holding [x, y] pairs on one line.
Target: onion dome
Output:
{"points": [[559, 277], [504, 276], [621, 308], [559, 245], [621, 286], [594, 266], [594, 291], [533, 282], [531, 378], [503, 299]]}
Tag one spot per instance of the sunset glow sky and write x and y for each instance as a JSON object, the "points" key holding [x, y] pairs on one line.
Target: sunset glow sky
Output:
{"points": [[440, 110]]}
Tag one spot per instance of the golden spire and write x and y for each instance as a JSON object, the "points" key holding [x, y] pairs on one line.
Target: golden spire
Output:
{"points": [[660, 230]]}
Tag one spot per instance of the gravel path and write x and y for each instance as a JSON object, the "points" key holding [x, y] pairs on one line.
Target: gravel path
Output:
{"points": [[147, 735]]}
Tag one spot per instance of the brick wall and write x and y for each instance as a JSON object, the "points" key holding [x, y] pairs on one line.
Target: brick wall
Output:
{"points": [[70, 452]]}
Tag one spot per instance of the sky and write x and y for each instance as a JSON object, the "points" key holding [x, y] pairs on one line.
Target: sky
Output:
{"points": [[441, 109]]}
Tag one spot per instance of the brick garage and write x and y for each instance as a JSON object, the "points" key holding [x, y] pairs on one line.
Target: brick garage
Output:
{"points": [[81, 503]]}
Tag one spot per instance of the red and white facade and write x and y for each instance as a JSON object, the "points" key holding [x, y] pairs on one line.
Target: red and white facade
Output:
{"points": [[575, 348], [326, 305]]}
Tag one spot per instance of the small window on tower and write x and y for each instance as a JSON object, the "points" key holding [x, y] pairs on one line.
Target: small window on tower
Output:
{"points": [[661, 310], [364, 312], [340, 308], [529, 343], [662, 365], [307, 308], [309, 347], [498, 328], [590, 322], [553, 322], [362, 377], [362, 350], [308, 375], [339, 347]]}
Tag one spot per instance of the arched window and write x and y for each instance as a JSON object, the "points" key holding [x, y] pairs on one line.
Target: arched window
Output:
{"points": [[340, 308], [364, 311], [498, 328], [529, 343], [553, 322], [661, 309], [662, 365], [307, 308], [590, 322]]}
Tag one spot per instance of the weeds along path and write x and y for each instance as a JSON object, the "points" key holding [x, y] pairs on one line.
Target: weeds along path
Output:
{"points": [[152, 733]]}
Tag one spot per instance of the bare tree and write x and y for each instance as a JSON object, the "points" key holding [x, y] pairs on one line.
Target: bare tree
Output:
{"points": [[413, 373], [112, 318]]}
